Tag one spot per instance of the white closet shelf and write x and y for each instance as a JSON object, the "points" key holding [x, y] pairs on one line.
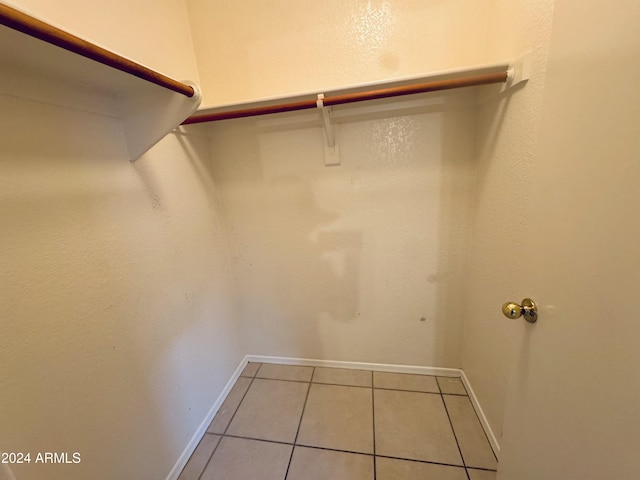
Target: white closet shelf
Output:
{"points": [[44, 63], [507, 73]]}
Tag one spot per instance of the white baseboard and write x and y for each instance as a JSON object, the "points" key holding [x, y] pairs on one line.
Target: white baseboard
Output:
{"points": [[377, 367], [202, 428], [481, 416]]}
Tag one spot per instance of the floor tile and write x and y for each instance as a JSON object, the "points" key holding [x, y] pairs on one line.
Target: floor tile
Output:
{"points": [[271, 410], [451, 385], [250, 369], [481, 474], [285, 372], [471, 437], [228, 408], [414, 426], [391, 469], [403, 381], [342, 376], [338, 417], [316, 464], [200, 457], [241, 459]]}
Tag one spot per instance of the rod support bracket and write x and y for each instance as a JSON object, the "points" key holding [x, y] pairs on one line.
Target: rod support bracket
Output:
{"points": [[519, 70], [331, 151]]}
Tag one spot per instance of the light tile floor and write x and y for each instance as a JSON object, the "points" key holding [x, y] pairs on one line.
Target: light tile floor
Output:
{"points": [[294, 422]]}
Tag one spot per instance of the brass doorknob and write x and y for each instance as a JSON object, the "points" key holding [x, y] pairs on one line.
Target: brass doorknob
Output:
{"points": [[528, 310]]}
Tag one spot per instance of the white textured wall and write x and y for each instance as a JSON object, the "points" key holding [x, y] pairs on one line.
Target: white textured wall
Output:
{"points": [[251, 49], [117, 326], [342, 262], [508, 127]]}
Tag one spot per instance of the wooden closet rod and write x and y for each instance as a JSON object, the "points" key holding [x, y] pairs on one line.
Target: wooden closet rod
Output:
{"points": [[470, 81], [24, 23]]}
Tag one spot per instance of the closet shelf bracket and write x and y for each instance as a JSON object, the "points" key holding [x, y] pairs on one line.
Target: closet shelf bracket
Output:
{"points": [[331, 151], [43, 63]]}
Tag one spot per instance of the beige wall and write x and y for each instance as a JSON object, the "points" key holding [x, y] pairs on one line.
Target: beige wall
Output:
{"points": [[248, 50], [117, 325], [342, 262], [508, 126], [572, 403]]}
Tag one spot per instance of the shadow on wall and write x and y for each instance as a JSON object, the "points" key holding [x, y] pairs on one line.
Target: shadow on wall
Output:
{"points": [[307, 252], [294, 264], [361, 262]]}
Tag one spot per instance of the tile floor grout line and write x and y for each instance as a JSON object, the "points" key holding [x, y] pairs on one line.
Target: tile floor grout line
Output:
{"points": [[455, 436], [482, 428], [298, 445], [242, 437], [299, 424], [465, 394], [221, 435], [284, 380], [481, 468], [465, 389], [359, 386], [227, 427], [373, 414], [388, 456], [349, 451], [210, 456], [423, 461], [411, 391], [238, 407], [342, 384], [316, 383], [328, 449]]}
